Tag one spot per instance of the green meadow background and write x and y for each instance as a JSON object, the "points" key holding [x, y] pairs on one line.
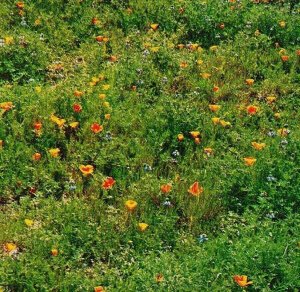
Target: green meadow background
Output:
{"points": [[142, 73]]}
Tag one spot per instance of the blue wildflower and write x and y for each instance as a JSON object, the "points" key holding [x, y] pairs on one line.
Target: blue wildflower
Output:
{"points": [[202, 238]]}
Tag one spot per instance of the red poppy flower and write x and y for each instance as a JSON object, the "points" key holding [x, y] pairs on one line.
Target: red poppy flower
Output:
{"points": [[77, 108], [252, 109], [37, 126], [96, 128], [95, 21], [216, 89], [20, 5], [284, 58], [108, 183]]}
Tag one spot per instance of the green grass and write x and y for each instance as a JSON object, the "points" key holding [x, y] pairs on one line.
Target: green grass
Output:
{"points": [[154, 90], [90, 252]]}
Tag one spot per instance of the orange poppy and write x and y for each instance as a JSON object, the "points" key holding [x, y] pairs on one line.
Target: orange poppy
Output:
{"points": [[108, 183], [258, 146], [20, 5], [249, 82], [54, 152], [195, 134], [195, 189], [10, 247], [214, 107], [249, 161], [159, 278], [183, 64], [36, 156], [54, 252], [78, 93], [205, 75], [6, 106], [102, 95], [154, 26], [86, 169], [285, 58], [193, 47], [242, 280], [99, 289], [197, 141], [99, 38], [113, 59], [180, 137], [166, 188]]}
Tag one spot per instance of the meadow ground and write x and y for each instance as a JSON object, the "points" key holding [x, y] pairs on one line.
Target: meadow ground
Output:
{"points": [[149, 145]]}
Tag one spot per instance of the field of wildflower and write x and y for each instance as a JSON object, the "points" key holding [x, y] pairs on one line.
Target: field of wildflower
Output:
{"points": [[149, 145]]}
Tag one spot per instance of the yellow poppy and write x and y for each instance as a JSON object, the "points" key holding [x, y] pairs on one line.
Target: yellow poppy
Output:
{"points": [[28, 222], [205, 75], [131, 205], [195, 134], [154, 26], [105, 86], [143, 226], [224, 123], [54, 152], [74, 125], [215, 120], [271, 99]]}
